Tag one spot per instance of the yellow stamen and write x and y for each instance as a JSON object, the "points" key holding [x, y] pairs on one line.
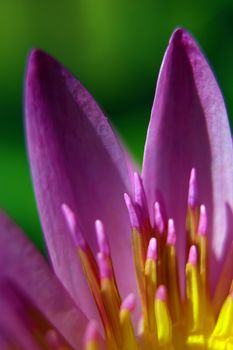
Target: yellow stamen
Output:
{"points": [[112, 309], [139, 253], [193, 293], [150, 287], [128, 336], [163, 321], [192, 220], [91, 272], [168, 319], [172, 282], [224, 325]]}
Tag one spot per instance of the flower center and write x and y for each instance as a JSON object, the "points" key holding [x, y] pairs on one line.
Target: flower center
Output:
{"points": [[168, 320]]}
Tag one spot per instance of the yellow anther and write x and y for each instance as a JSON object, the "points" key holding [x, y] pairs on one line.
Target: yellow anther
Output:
{"points": [[150, 285], [203, 259], [224, 325], [90, 270], [139, 253], [207, 309], [194, 311], [129, 341], [192, 219], [92, 276], [163, 320], [172, 282], [150, 288], [222, 336], [111, 305], [150, 270], [128, 337]]}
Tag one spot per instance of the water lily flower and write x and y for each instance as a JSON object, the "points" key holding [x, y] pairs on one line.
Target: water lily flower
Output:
{"points": [[139, 262]]}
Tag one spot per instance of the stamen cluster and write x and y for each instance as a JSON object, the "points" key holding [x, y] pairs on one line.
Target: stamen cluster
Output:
{"points": [[168, 320]]}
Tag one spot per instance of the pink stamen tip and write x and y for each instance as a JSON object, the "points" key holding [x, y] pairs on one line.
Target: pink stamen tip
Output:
{"points": [[72, 226], [161, 293], [92, 334], [171, 233], [231, 295], [193, 192], [202, 227], [104, 268], [159, 223], [192, 258], [134, 220], [101, 238], [129, 303], [152, 249]]}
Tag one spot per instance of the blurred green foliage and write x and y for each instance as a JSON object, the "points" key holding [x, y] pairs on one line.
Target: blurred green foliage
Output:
{"points": [[115, 48]]}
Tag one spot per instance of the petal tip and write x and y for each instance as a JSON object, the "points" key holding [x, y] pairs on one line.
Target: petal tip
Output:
{"points": [[177, 35], [181, 37], [33, 60], [39, 67], [36, 56]]}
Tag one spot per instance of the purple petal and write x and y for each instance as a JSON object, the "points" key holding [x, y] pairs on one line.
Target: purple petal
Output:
{"points": [[13, 332], [75, 159], [189, 128], [225, 279], [131, 163], [24, 268]]}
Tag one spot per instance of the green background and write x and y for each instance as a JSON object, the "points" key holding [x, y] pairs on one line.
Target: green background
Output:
{"points": [[115, 48]]}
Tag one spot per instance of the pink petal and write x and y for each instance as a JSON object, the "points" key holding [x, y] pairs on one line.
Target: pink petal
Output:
{"points": [[13, 332], [24, 268], [189, 128], [75, 159]]}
